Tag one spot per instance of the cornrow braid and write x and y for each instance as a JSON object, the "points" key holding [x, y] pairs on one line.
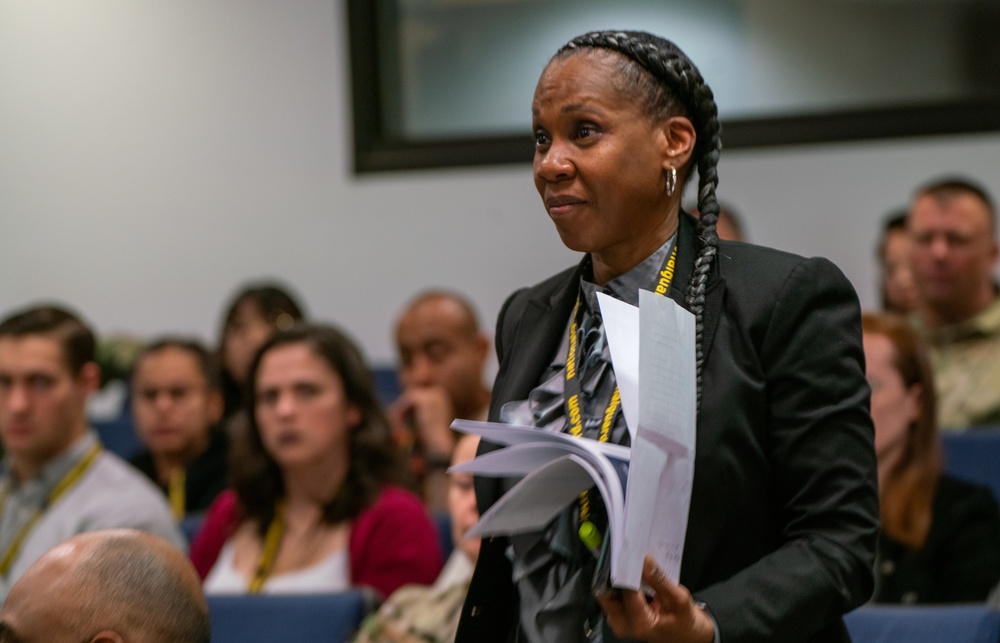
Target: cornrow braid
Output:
{"points": [[679, 89]]}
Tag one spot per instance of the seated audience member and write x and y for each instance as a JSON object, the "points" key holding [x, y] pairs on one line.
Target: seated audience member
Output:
{"points": [[899, 292], [177, 405], [952, 224], [57, 481], [111, 586], [256, 312], [729, 226], [430, 614], [442, 354], [940, 536], [316, 507]]}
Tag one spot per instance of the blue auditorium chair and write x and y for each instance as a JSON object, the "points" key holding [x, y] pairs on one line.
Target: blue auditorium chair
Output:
{"points": [[302, 618], [974, 456], [386, 384], [190, 525], [442, 522], [920, 624]]}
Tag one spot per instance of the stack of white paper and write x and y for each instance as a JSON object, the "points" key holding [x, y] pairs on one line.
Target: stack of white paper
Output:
{"points": [[646, 495]]}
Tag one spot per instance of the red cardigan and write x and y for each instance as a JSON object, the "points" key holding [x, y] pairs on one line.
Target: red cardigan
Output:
{"points": [[392, 543]]}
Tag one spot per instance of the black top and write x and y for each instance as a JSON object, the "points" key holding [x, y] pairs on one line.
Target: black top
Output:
{"points": [[205, 477], [959, 563]]}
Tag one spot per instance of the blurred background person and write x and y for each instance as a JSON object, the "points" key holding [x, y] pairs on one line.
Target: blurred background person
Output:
{"points": [[177, 405], [108, 586], [940, 538], [420, 614], [57, 479], [896, 284], [729, 226], [316, 506], [952, 224], [442, 355], [255, 313]]}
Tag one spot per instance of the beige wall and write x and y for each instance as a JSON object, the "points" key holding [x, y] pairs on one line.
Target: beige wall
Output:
{"points": [[155, 154]]}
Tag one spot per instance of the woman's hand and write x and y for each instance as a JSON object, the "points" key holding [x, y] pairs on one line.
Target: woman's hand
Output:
{"points": [[671, 615]]}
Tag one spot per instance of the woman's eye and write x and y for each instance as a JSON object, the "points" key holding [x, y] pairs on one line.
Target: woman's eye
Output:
{"points": [[541, 139], [307, 391], [585, 130]]}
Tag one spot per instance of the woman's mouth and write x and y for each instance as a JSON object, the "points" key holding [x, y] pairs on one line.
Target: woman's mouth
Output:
{"points": [[561, 205], [288, 438]]}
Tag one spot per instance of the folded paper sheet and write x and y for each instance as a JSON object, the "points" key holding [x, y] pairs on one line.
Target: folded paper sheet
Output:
{"points": [[646, 489]]}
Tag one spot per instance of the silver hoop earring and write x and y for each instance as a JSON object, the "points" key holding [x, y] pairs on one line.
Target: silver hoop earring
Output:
{"points": [[671, 181]]}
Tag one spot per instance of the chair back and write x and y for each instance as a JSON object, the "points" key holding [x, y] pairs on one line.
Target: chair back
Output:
{"points": [[919, 624], [303, 618], [974, 456]]}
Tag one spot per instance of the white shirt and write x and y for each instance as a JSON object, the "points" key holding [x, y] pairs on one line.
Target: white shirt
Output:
{"points": [[332, 574]]}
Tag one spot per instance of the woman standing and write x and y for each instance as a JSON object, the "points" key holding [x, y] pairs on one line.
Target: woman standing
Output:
{"points": [[316, 508], [784, 515]]}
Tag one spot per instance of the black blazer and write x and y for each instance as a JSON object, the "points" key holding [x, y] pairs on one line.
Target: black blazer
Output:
{"points": [[783, 520]]}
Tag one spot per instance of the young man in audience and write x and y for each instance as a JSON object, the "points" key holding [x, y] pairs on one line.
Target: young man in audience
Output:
{"points": [[108, 586], [952, 224], [442, 354], [57, 480], [177, 404]]}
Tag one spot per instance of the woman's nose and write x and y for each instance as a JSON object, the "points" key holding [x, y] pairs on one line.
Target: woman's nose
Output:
{"points": [[555, 163]]}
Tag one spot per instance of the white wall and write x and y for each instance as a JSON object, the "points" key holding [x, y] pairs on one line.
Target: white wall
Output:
{"points": [[155, 154]]}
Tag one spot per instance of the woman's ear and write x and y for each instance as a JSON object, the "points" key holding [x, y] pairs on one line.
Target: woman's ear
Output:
{"points": [[677, 137]]}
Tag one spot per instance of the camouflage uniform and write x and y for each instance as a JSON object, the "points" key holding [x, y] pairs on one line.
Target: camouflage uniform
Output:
{"points": [[966, 362]]}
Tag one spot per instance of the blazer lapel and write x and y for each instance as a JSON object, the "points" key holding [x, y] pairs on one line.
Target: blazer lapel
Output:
{"points": [[537, 338]]}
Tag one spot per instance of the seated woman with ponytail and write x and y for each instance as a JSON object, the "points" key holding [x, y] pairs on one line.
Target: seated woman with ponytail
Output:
{"points": [[783, 518], [316, 507]]}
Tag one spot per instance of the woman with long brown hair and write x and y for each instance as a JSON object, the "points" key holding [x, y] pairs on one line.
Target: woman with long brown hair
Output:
{"points": [[317, 503], [940, 536]]}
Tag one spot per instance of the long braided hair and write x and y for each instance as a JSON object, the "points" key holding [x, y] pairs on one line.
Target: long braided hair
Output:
{"points": [[670, 85]]}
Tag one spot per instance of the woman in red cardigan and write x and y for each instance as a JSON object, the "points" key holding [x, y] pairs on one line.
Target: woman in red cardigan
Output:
{"points": [[315, 504]]}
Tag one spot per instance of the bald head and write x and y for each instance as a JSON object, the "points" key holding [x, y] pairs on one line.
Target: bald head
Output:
{"points": [[440, 345], [108, 586], [444, 303]]}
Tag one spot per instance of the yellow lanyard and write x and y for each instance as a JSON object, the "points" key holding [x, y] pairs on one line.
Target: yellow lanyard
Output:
{"points": [[175, 492], [573, 400], [64, 485], [272, 542]]}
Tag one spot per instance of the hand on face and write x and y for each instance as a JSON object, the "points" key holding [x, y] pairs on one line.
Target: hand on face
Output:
{"points": [[671, 615], [424, 415], [441, 347]]}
